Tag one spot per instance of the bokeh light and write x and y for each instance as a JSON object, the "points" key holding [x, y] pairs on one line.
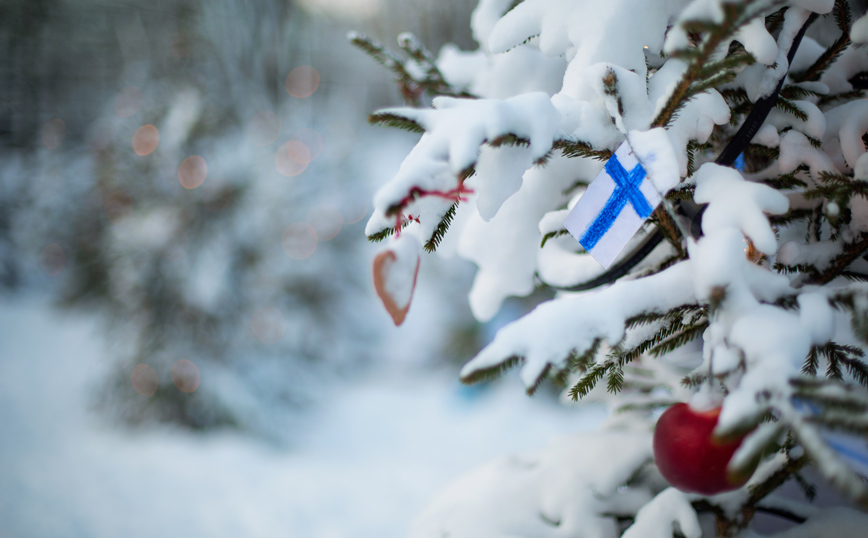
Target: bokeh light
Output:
{"points": [[326, 220], [52, 259], [263, 128], [299, 240], [53, 133], [302, 81], [192, 172], [185, 375], [311, 139], [144, 380], [128, 101], [118, 205], [145, 140], [292, 158], [268, 325]]}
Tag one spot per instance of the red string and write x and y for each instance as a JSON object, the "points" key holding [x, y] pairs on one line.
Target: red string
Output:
{"points": [[415, 193]]}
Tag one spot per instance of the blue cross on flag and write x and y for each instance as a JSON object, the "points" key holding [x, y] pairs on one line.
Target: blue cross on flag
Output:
{"points": [[614, 207]]}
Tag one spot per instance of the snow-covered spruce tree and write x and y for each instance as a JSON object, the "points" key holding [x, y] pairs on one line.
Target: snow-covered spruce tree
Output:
{"points": [[743, 294]]}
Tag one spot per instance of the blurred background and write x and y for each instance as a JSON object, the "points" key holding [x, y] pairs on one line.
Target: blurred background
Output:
{"points": [[189, 338]]}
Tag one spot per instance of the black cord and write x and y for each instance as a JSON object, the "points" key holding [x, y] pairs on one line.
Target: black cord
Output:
{"points": [[782, 513], [693, 211]]}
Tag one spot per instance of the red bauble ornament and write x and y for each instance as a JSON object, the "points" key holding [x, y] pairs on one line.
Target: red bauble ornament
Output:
{"points": [[688, 455]]}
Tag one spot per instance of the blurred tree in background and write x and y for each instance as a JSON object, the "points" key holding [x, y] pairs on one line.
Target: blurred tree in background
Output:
{"points": [[187, 168]]}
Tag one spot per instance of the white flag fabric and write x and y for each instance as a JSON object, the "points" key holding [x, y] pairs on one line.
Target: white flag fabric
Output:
{"points": [[614, 207]]}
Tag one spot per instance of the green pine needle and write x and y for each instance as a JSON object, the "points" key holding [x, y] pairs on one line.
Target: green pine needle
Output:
{"points": [[434, 242], [688, 335], [809, 490], [616, 379], [587, 383], [493, 372], [552, 235], [531, 390], [390, 119], [578, 148], [789, 107], [843, 19]]}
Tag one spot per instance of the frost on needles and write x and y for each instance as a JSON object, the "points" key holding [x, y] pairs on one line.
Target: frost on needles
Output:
{"points": [[756, 289]]}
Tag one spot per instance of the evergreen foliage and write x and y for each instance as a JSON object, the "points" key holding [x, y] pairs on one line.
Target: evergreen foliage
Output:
{"points": [[807, 267]]}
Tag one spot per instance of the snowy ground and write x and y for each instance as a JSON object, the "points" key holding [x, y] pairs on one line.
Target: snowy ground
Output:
{"points": [[371, 459]]}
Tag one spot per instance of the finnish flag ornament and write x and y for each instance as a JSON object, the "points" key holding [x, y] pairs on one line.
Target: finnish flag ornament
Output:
{"points": [[613, 207]]}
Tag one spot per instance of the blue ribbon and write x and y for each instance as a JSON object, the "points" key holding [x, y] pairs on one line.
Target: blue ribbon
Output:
{"points": [[626, 190]]}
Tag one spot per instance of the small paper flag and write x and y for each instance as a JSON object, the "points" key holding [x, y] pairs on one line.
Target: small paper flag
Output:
{"points": [[614, 207]]}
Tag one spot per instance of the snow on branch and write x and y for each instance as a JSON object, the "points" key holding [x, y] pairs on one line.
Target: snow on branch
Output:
{"points": [[454, 132], [557, 491], [554, 330], [657, 518]]}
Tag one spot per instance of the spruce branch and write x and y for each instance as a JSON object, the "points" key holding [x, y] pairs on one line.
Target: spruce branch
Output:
{"points": [[580, 362], [786, 182], [790, 108], [698, 58], [709, 83], [734, 60], [774, 21], [838, 187], [832, 53], [694, 380], [610, 88], [588, 381], [385, 233], [830, 394], [843, 96], [790, 217], [672, 328], [684, 337], [809, 490], [812, 362], [439, 232], [836, 356], [793, 91], [644, 319], [842, 15], [616, 379], [851, 252], [509, 139], [552, 235], [669, 229], [487, 374], [758, 492], [432, 82], [836, 420], [406, 83], [531, 390], [390, 119], [682, 191], [578, 148], [857, 369]]}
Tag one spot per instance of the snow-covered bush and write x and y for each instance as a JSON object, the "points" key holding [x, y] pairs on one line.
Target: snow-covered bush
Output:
{"points": [[744, 289]]}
